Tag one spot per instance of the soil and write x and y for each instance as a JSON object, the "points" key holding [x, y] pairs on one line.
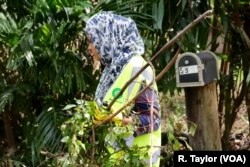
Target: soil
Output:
{"points": [[239, 137]]}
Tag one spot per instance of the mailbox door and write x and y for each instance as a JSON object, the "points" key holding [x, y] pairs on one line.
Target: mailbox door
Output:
{"points": [[210, 72], [188, 70]]}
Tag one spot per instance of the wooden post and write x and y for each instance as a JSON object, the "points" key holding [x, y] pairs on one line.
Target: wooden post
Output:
{"points": [[202, 110], [248, 106]]}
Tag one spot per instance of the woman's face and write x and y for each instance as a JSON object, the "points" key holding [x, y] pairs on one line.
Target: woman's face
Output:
{"points": [[92, 51]]}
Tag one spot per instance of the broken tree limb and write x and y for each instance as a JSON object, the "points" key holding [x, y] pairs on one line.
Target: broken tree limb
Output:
{"points": [[168, 66], [166, 46]]}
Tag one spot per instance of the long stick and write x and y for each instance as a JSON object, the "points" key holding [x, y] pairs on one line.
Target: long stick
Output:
{"points": [[172, 41], [167, 45], [169, 65]]}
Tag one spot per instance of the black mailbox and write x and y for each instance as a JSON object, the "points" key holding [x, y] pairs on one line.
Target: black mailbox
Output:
{"points": [[196, 69]]}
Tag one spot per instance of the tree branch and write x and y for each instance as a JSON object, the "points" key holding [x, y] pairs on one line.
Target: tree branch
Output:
{"points": [[167, 45], [168, 66], [92, 147]]}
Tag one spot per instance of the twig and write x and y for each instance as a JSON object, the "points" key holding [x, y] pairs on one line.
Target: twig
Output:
{"points": [[93, 147], [49, 156], [167, 45]]}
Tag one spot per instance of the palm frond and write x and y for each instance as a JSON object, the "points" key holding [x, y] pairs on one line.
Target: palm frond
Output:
{"points": [[6, 97], [45, 134]]}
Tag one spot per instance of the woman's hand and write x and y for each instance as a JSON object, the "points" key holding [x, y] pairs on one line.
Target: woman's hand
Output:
{"points": [[127, 120]]}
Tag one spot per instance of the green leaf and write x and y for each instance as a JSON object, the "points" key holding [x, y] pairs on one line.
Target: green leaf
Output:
{"points": [[170, 136], [81, 144], [176, 145], [192, 129], [225, 21], [183, 4], [6, 97], [29, 57], [65, 139], [160, 16], [46, 30], [248, 77], [69, 106], [87, 115], [110, 138], [79, 102]]}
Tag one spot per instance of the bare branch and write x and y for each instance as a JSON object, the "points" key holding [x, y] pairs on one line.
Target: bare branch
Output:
{"points": [[168, 66], [172, 41], [167, 45]]}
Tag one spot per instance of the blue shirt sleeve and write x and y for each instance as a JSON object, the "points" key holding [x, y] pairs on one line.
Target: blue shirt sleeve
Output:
{"points": [[142, 109]]}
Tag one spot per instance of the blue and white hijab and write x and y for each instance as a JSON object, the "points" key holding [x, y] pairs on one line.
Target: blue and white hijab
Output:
{"points": [[117, 40]]}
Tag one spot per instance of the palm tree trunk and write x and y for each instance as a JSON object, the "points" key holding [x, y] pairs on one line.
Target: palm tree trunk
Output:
{"points": [[8, 130]]}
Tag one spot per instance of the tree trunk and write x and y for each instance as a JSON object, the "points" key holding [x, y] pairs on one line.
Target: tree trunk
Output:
{"points": [[248, 106], [202, 109], [8, 130]]}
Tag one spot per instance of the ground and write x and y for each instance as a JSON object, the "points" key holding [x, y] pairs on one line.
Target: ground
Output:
{"points": [[173, 116], [240, 138]]}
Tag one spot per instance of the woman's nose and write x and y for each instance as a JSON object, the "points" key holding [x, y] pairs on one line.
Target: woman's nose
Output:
{"points": [[89, 49]]}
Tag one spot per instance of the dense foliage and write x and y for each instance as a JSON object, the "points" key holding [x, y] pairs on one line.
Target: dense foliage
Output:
{"points": [[44, 67]]}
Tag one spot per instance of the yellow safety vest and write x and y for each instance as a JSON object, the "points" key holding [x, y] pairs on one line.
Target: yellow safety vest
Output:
{"points": [[132, 67]]}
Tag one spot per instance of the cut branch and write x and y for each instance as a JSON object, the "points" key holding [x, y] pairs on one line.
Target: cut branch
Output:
{"points": [[168, 66], [166, 46]]}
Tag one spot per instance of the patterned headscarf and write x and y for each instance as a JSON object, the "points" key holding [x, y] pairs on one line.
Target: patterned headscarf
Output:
{"points": [[116, 39]]}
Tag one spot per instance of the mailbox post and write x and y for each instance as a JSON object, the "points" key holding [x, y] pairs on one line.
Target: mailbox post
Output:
{"points": [[197, 74]]}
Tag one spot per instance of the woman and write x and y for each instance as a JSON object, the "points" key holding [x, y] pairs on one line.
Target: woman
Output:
{"points": [[114, 40]]}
